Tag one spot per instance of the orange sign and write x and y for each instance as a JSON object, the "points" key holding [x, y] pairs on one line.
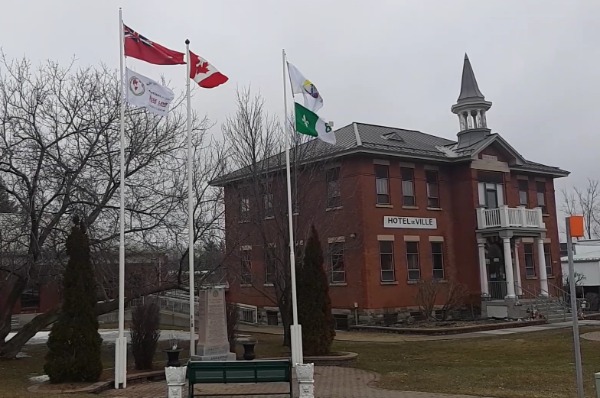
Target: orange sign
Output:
{"points": [[576, 226]]}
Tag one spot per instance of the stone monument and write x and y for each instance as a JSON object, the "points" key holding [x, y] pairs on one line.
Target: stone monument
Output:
{"points": [[212, 327]]}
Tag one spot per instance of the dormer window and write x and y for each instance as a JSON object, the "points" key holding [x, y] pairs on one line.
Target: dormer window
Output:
{"points": [[393, 136]]}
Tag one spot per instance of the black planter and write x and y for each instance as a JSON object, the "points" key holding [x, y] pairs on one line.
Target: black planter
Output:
{"points": [[173, 357], [249, 350]]}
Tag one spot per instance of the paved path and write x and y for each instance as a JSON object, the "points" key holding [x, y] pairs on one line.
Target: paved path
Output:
{"points": [[330, 382], [378, 337]]}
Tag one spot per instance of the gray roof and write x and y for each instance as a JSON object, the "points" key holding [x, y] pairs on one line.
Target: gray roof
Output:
{"points": [[361, 138], [468, 86]]}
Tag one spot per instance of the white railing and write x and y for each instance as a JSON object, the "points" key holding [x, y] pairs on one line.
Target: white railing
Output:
{"points": [[510, 217]]}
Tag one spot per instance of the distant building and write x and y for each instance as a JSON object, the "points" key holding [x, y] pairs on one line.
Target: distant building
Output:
{"points": [[399, 206]]}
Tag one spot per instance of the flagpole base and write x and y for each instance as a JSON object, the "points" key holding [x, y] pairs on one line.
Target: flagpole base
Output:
{"points": [[296, 342], [120, 362]]}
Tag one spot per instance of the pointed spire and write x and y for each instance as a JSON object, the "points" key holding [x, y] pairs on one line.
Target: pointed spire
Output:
{"points": [[468, 87]]}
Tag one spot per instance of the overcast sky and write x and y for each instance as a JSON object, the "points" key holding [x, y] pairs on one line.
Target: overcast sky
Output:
{"points": [[395, 63]]}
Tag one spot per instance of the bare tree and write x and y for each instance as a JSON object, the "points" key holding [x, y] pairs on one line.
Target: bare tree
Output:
{"points": [[585, 201], [59, 155], [258, 189]]}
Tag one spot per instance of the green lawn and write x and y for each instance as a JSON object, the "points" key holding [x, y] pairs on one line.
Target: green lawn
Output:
{"points": [[521, 365], [528, 365]]}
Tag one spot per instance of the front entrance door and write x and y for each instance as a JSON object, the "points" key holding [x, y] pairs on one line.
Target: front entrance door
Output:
{"points": [[496, 272]]}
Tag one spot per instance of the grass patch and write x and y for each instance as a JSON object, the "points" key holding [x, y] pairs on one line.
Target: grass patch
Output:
{"points": [[539, 364]]}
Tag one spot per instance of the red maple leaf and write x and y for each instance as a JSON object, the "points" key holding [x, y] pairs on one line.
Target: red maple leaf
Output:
{"points": [[202, 67]]}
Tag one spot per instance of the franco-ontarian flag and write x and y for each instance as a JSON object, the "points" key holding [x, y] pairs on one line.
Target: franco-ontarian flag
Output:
{"points": [[310, 123], [146, 93], [301, 85]]}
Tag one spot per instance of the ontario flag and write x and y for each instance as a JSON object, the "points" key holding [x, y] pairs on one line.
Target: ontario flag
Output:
{"points": [[140, 47], [205, 74]]}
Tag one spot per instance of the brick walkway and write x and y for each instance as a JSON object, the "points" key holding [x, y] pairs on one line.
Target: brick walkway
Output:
{"points": [[330, 382]]}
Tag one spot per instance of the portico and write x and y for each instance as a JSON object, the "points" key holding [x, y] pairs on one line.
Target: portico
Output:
{"points": [[503, 233]]}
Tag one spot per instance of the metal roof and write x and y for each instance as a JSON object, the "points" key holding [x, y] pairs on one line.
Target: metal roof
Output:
{"points": [[357, 138]]}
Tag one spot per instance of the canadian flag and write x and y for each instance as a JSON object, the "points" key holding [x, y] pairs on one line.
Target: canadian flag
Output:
{"points": [[205, 74]]}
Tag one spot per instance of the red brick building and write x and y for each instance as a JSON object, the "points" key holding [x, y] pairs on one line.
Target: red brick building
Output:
{"points": [[396, 206]]}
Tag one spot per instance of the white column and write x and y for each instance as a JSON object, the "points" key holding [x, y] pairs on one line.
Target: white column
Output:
{"points": [[483, 268], [508, 268], [542, 267], [519, 291]]}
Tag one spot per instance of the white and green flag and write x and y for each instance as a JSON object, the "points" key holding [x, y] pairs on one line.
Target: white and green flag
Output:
{"points": [[309, 123]]}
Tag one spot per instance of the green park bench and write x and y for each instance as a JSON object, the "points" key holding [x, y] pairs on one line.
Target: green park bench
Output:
{"points": [[257, 371]]}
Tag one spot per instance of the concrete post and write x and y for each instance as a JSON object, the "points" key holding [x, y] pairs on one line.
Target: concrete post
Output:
{"points": [[482, 268], [542, 267], [304, 373], [508, 268], [518, 271], [175, 376]]}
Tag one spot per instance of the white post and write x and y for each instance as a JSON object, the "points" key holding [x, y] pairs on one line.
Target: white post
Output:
{"points": [[503, 216], [483, 268], [295, 328], [190, 204], [508, 268], [574, 312], [518, 270], [175, 376], [542, 267], [121, 341], [306, 382], [480, 217]]}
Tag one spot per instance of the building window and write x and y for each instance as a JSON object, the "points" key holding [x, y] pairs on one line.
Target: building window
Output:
{"points": [[246, 267], [548, 257], [267, 198], [433, 189], [541, 195], [270, 265], [244, 208], [491, 195], [30, 298], [336, 261], [491, 189], [332, 176], [412, 261], [524, 193], [408, 186], [382, 183], [529, 260], [437, 257], [386, 258]]}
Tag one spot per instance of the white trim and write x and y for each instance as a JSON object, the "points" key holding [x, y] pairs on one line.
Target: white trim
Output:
{"points": [[246, 247], [431, 167], [336, 239], [407, 165], [527, 240], [388, 238], [491, 165], [412, 238], [436, 238], [547, 240]]}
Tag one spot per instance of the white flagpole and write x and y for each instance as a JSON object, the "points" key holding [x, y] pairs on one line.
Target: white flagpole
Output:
{"points": [[121, 342], [295, 328], [190, 204]]}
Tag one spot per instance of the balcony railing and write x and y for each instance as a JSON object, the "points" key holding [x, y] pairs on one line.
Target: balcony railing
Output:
{"points": [[510, 217]]}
